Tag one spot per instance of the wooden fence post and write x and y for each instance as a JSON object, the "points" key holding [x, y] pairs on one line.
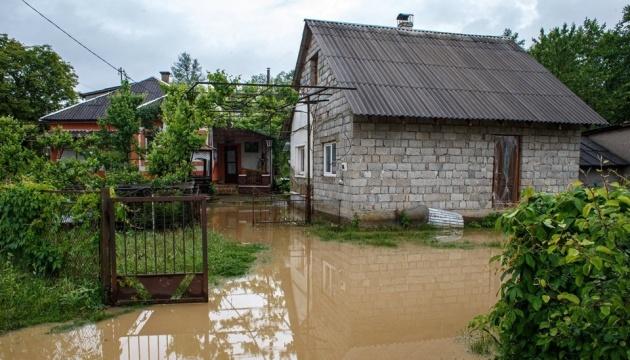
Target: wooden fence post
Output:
{"points": [[104, 244]]}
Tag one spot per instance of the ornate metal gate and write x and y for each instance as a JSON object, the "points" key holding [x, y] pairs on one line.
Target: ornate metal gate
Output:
{"points": [[154, 249]]}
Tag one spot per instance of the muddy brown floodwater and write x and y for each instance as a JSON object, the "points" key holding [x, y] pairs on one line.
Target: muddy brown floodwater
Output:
{"points": [[307, 299]]}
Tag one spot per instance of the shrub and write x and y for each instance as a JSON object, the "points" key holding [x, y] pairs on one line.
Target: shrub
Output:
{"points": [[566, 277], [42, 231]]}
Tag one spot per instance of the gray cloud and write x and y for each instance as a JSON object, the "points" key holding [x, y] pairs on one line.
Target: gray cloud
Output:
{"points": [[244, 37]]}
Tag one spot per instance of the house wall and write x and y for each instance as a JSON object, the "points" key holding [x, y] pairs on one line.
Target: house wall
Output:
{"points": [[331, 122], [299, 138], [615, 141], [449, 165]]}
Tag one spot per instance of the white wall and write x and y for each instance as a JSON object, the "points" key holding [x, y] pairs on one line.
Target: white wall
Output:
{"points": [[298, 137]]}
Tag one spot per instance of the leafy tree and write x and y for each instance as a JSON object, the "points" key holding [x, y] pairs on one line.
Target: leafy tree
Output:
{"points": [[15, 155], [172, 149], [508, 33], [118, 128], [592, 61], [34, 80], [186, 69]]}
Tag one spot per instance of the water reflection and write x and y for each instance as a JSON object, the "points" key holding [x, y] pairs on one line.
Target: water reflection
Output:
{"points": [[309, 300]]}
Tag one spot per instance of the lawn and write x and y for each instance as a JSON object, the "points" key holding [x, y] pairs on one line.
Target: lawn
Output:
{"points": [[393, 236]]}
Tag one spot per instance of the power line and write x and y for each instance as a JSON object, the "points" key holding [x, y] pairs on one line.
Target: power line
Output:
{"points": [[117, 69]]}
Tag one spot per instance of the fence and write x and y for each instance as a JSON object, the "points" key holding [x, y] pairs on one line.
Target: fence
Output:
{"points": [[291, 209], [154, 248]]}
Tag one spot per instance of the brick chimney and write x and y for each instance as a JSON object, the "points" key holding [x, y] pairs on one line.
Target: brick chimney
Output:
{"points": [[166, 76]]}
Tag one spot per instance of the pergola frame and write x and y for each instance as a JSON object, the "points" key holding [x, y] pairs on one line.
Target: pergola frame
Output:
{"points": [[310, 97]]}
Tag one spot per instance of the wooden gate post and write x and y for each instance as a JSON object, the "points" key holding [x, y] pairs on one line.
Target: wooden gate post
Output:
{"points": [[105, 238]]}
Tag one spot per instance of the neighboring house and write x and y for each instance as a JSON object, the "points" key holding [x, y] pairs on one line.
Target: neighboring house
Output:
{"points": [[236, 160], [451, 121], [241, 161], [82, 118], [605, 151]]}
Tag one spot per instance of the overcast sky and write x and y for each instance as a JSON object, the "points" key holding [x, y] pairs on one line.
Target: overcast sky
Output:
{"points": [[245, 37]]}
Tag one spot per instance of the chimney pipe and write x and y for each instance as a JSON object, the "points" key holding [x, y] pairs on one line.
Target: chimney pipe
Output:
{"points": [[405, 21], [166, 76]]}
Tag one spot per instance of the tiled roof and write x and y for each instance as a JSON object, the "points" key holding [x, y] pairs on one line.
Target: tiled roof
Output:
{"points": [[96, 107], [423, 74], [594, 154]]}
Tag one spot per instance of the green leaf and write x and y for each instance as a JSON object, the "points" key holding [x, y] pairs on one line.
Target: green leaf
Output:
{"points": [[572, 255], [597, 262], [570, 297], [546, 298], [548, 223], [605, 310], [530, 260], [624, 199], [603, 249], [587, 209]]}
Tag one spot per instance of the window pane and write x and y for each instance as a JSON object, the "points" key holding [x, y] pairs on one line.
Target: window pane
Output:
{"points": [[333, 159], [327, 149]]}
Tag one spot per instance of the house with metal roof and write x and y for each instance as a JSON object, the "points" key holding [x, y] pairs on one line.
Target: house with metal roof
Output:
{"points": [[82, 118], [605, 152], [451, 121]]}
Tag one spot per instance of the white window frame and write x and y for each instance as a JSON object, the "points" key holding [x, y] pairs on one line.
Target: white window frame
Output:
{"points": [[300, 166], [332, 171]]}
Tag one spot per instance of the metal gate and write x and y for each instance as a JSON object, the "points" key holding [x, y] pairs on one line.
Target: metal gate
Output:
{"points": [[154, 249]]}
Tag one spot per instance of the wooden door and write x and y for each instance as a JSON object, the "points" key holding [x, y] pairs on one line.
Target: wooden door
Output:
{"points": [[507, 170], [231, 167]]}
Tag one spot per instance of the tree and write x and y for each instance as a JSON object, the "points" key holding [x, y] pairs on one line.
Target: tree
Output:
{"points": [[186, 69], [508, 33], [116, 137], [592, 61], [33, 80], [171, 152], [15, 155]]}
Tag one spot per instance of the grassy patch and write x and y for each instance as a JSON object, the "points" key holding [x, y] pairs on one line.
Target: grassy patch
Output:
{"points": [[26, 299], [487, 222], [392, 236]]}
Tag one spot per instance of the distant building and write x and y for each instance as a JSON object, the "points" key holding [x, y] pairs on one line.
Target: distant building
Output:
{"points": [[451, 121], [605, 152]]}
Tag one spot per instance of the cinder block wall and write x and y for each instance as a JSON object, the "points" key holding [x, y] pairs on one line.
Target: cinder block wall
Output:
{"points": [[399, 164]]}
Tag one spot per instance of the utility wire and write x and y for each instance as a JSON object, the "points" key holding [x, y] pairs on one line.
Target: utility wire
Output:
{"points": [[118, 69]]}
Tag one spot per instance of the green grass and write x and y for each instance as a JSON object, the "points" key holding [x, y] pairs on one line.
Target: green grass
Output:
{"points": [[391, 236], [486, 222], [27, 299]]}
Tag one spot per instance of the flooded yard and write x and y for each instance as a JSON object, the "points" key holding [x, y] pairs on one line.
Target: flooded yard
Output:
{"points": [[306, 299]]}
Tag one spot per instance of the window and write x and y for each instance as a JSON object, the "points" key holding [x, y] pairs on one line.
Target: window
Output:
{"points": [[251, 147], [314, 74], [330, 159], [301, 159]]}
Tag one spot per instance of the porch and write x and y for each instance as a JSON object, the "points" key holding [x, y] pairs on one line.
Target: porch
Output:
{"points": [[241, 161]]}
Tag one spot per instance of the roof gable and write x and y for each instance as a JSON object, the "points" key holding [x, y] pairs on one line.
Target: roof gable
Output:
{"points": [[96, 107], [423, 74]]}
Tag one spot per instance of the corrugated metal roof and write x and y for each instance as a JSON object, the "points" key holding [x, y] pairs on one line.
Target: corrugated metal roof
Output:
{"points": [[96, 107], [414, 73], [594, 154]]}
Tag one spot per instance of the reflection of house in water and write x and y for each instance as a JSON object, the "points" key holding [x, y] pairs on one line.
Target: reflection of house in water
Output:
{"points": [[354, 298]]}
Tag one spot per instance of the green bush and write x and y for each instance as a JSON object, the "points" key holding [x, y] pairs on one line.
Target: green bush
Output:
{"points": [[44, 231], [566, 277]]}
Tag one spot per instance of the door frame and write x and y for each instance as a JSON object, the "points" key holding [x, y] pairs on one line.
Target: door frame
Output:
{"points": [[517, 180], [230, 179]]}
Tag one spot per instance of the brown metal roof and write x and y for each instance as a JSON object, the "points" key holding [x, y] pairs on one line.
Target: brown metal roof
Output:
{"points": [[414, 73], [96, 107]]}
